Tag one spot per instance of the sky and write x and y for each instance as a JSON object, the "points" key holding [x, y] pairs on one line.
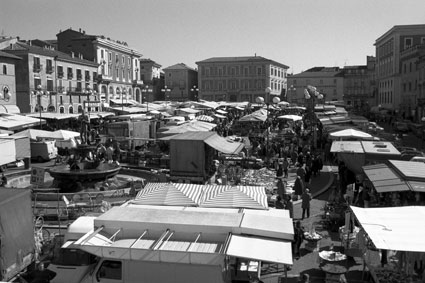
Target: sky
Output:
{"points": [[298, 33]]}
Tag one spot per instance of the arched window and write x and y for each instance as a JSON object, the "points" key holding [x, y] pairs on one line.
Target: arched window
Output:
{"points": [[61, 109], [71, 110], [80, 109]]}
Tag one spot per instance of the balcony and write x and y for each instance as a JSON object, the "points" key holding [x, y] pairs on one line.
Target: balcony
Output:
{"points": [[49, 69], [70, 76], [60, 75], [37, 68], [87, 78], [61, 89], [105, 78], [137, 82], [79, 77]]}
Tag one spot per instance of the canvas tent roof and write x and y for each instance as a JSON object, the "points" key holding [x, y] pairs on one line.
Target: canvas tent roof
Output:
{"points": [[14, 122], [394, 228], [174, 235]]}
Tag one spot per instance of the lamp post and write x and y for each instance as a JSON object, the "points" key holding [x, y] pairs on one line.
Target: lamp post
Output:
{"points": [[195, 91], [293, 90], [165, 90], [38, 93], [89, 91], [312, 94], [145, 94], [123, 92], [261, 100]]}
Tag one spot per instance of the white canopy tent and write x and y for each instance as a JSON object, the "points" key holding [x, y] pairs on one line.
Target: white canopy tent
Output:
{"points": [[290, 117], [350, 133], [394, 228]]}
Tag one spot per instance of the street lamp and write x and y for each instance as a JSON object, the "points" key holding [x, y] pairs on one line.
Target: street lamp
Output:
{"points": [[89, 91], [293, 90], [195, 91], [312, 94], [165, 90], [260, 100], [39, 92], [123, 92], [145, 94]]}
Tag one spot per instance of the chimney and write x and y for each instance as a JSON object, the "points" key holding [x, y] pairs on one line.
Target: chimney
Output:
{"points": [[79, 29], [84, 32]]}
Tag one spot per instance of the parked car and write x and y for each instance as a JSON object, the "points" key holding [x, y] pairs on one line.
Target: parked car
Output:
{"points": [[418, 159], [416, 129], [409, 154]]}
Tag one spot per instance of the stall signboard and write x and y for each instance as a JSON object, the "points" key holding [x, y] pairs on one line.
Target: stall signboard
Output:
{"points": [[37, 176]]}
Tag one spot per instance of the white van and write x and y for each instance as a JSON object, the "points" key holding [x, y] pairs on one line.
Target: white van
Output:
{"points": [[44, 150]]}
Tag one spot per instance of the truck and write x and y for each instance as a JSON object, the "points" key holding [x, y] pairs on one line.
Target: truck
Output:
{"points": [[8, 154], [131, 133], [15, 149], [142, 244], [43, 150], [17, 242]]}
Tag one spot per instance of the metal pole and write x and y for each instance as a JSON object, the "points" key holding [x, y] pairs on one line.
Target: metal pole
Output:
{"points": [[39, 107], [267, 142]]}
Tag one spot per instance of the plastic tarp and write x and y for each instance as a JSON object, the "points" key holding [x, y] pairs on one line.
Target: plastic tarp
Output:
{"points": [[13, 122], [16, 231], [260, 249], [223, 145], [394, 228]]}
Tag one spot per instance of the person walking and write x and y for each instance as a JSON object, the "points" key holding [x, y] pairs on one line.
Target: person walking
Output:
{"points": [[285, 166], [305, 203], [299, 186], [298, 239], [281, 188]]}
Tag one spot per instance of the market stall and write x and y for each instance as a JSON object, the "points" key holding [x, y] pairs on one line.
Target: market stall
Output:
{"points": [[392, 241]]}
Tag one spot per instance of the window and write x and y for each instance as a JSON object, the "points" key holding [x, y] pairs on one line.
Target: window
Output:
{"points": [[259, 71], [70, 73], [60, 72], [117, 59], [49, 66], [79, 74], [50, 85], [110, 56], [4, 70], [408, 42], [37, 82], [110, 269], [87, 75], [102, 53], [37, 65], [123, 60]]}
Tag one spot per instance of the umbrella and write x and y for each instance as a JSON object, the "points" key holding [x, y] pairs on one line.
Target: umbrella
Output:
{"points": [[350, 133], [291, 117], [283, 103], [253, 197], [169, 194]]}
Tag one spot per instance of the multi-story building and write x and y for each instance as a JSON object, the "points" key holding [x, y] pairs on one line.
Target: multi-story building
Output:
{"points": [[179, 81], [359, 85], [49, 80], [329, 81], [421, 86], [8, 83], [409, 75], [150, 74], [389, 66], [241, 78], [119, 75]]}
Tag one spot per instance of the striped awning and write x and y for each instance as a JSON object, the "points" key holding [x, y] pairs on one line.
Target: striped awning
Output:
{"points": [[169, 194], [235, 197], [181, 194], [205, 118]]}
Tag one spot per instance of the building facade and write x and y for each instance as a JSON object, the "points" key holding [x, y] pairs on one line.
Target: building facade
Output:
{"points": [[8, 83], [390, 67], [329, 81], [179, 82], [359, 85], [49, 80], [241, 79], [119, 75], [150, 74]]}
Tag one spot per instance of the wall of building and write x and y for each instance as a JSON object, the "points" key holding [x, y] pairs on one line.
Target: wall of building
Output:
{"points": [[7, 79]]}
